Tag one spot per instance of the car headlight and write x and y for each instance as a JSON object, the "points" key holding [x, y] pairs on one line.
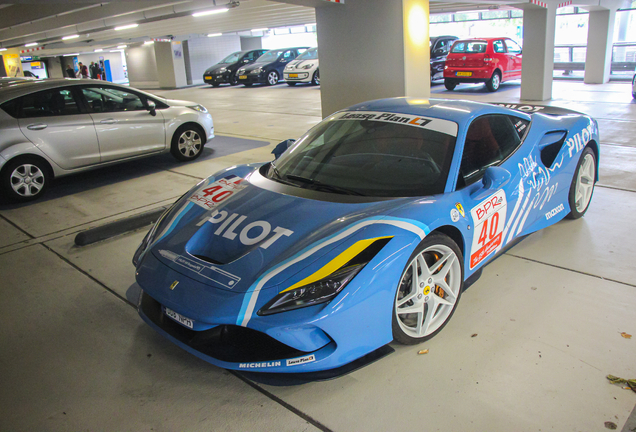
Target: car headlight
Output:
{"points": [[199, 108], [222, 70], [257, 70], [241, 71], [316, 289], [308, 66]]}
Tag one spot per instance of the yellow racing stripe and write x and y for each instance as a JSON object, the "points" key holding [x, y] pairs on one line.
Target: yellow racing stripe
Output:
{"points": [[336, 263]]}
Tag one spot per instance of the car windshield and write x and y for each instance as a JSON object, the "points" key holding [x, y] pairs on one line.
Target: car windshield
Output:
{"points": [[372, 154], [310, 54], [469, 47], [232, 58], [269, 56]]}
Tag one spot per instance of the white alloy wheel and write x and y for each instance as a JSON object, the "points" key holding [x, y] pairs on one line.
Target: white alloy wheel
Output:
{"points": [[189, 143], [428, 292], [27, 180], [585, 183], [272, 78]]}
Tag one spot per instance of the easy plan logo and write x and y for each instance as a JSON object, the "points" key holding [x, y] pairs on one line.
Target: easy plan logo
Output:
{"points": [[386, 117], [554, 211], [301, 360]]}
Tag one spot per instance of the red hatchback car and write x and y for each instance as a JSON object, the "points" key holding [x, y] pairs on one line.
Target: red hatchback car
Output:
{"points": [[488, 60]]}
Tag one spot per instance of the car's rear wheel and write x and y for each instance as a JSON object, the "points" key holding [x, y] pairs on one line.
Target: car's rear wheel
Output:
{"points": [[272, 78], [233, 79], [315, 80], [582, 186], [25, 179], [450, 85], [187, 142], [429, 290], [494, 82]]}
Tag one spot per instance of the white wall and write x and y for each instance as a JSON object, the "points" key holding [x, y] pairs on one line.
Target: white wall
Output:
{"points": [[116, 63], [205, 52], [142, 67], [289, 40]]}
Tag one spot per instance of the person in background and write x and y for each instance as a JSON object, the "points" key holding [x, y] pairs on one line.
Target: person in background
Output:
{"points": [[93, 70], [83, 69], [70, 72]]}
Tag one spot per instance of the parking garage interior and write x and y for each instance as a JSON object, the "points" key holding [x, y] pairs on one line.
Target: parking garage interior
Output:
{"points": [[532, 341]]}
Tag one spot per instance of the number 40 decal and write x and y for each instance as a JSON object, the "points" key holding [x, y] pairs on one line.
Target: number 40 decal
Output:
{"points": [[487, 233]]}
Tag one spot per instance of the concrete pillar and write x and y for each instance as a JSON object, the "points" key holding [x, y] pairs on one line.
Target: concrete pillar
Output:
{"points": [[538, 51], [372, 49], [142, 67], [598, 58], [170, 64]]}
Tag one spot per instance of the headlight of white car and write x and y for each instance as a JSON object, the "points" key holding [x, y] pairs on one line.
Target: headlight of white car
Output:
{"points": [[308, 66], [199, 108]]}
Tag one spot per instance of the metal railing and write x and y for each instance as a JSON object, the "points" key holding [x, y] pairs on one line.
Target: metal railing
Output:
{"points": [[570, 58]]}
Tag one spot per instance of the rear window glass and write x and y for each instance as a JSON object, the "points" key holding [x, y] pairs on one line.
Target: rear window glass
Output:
{"points": [[11, 108], [49, 103], [469, 47]]}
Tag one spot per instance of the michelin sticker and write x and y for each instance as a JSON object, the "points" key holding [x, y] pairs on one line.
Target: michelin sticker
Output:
{"points": [[489, 217]]}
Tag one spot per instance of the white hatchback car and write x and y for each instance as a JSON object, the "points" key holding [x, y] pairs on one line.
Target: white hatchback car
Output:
{"points": [[304, 69], [50, 128]]}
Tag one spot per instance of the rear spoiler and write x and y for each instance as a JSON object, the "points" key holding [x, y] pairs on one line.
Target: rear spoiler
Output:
{"points": [[533, 109]]}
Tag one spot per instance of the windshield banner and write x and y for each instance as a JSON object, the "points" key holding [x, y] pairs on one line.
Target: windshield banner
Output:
{"points": [[443, 126]]}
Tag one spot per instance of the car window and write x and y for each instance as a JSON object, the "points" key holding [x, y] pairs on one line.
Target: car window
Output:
{"points": [[310, 54], [469, 47], [57, 102], [106, 99], [498, 46], [288, 55], [232, 58], [489, 141], [512, 46], [372, 158], [270, 56]]}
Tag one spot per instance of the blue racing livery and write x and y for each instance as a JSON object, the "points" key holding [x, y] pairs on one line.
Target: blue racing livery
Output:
{"points": [[363, 232]]}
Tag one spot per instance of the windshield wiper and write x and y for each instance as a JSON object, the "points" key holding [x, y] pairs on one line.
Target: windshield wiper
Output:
{"points": [[278, 177], [319, 185]]}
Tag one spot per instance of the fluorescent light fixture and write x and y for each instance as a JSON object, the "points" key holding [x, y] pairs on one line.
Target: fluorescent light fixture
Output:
{"points": [[149, 42], [127, 26], [215, 34], [209, 12], [122, 46], [70, 37], [99, 50], [261, 30], [3, 49], [71, 55], [31, 44], [116, 51]]}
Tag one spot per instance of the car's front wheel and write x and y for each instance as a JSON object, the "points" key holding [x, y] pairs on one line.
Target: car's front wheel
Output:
{"points": [[315, 80], [494, 82], [233, 79], [187, 142], [450, 85], [582, 186], [25, 179], [272, 78], [429, 290]]}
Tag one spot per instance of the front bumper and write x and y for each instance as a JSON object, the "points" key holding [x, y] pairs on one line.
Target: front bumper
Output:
{"points": [[216, 78], [251, 78], [297, 76]]}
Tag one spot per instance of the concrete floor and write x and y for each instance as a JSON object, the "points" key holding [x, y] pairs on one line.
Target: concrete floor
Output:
{"points": [[548, 314]]}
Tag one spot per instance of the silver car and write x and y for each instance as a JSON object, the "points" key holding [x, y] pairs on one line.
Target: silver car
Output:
{"points": [[55, 127]]}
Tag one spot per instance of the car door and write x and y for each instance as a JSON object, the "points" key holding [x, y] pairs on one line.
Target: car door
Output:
{"points": [[438, 55], [514, 51], [493, 204], [54, 122], [501, 59], [125, 128]]}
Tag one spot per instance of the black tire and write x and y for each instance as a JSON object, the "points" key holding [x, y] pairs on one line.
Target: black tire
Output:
{"points": [[430, 249], [291, 84], [575, 212], [35, 174], [315, 80], [272, 78], [248, 84], [494, 82], [187, 142], [233, 80], [450, 85]]}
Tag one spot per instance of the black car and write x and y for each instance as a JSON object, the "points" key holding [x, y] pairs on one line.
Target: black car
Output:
{"points": [[225, 70], [268, 69], [440, 47]]}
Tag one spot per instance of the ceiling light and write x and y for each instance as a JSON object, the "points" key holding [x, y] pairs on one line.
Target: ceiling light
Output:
{"points": [[99, 50], [121, 46], [215, 34], [71, 55], [209, 12], [31, 44], [149, 42], [116, 51], [127, 26], [70, 37], [260, 30]]}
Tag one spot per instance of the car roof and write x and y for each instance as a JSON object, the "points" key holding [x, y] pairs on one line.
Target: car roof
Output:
{"points": [[459, 111], [31, 86], [484, 39]]}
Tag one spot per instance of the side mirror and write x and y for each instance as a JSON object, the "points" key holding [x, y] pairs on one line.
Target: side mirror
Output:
{"points": [[152, 108], [281, 147], [495, 177], [246, 61]]}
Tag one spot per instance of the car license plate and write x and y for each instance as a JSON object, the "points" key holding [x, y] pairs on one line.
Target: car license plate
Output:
{"points": [[208, 77], [464, 74], [293, 75], [242, 76], [179, 318]]}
